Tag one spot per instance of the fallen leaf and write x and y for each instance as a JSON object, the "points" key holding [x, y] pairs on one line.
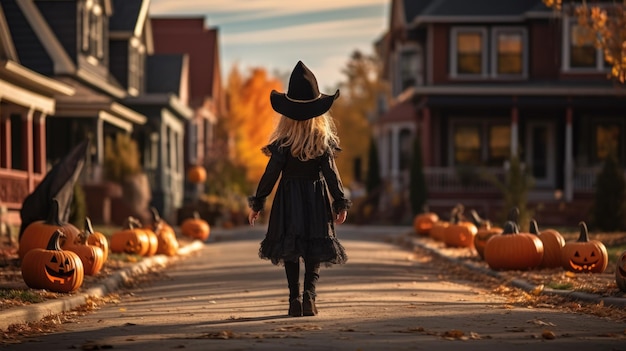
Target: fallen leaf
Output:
{"points": [[548, 335]]}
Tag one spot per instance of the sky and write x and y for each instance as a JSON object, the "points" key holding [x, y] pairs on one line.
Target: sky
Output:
{"points": [[276, 34]]}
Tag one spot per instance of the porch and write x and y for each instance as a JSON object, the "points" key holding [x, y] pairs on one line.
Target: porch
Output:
{"points": [[449, 186]]}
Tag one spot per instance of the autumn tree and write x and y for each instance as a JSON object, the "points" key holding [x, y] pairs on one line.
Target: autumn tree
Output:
{"points": [[359, 95], [251, 118], [605, 22]]}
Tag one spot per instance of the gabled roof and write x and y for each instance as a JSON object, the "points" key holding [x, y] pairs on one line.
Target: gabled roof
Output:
{"points": [[22, 85], [189, 35], [472, 11], [130, 18]]}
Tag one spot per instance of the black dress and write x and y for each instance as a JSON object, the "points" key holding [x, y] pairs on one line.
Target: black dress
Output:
{"points": [[301, 222]]}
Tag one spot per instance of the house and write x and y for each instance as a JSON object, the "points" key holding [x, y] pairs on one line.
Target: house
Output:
{"points": [[157, 86], [190, 36], [27, 102], [68, 40], [478, 81]]}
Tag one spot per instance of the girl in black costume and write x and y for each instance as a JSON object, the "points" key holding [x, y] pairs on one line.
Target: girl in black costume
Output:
{"points": [[310, 198]]}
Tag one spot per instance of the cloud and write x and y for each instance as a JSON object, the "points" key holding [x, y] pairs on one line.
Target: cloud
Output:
{"points": [[362, 27], [253, 9]]}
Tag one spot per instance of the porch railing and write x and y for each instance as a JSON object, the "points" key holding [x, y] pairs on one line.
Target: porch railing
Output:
{"points": [[446, 179]]}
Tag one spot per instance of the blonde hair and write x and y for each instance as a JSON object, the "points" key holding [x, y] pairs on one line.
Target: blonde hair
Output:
{"points": [[308, 139]]}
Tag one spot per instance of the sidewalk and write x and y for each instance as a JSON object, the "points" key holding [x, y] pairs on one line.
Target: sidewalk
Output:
{"points": [[37, 311]]}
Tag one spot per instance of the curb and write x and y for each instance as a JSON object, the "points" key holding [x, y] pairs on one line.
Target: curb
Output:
{"points": [[38, 311], [526, 286]]}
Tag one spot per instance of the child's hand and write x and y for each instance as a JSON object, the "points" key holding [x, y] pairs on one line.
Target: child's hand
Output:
{"points": [[253, 216], [341, 217]]}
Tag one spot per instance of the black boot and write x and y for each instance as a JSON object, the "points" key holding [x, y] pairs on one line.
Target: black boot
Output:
{"points": [[311, 275], [292, 269], [295, 307], [308, 304]]}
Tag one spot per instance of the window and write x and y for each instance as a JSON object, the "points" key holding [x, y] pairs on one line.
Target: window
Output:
{"points": [[468, 51], [92, 29], [409, 68], [488, 52], [580, 52], [480, 143], [509, 54], [136, 66]]}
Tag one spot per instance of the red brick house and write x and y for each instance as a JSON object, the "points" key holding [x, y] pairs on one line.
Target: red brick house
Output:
{"points": [[480, 80]]}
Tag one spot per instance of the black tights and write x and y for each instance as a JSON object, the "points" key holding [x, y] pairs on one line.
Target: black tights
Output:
{"points": [[311, 275]]}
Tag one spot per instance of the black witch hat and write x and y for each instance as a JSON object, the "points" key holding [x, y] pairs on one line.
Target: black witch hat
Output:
{"points": [[303, 99], [57, 184]]}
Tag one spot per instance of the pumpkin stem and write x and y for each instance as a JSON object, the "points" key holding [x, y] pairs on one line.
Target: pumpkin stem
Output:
{"points": [[534, 228], [196, 215], [476, 218], [53, 243], [53, 215], [513, 214], [88, 226], [510, 227], [155, 214], [584, 233]]}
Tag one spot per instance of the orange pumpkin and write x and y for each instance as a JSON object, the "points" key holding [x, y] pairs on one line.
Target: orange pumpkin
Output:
{"points": [[52, 268], [167, 242], [91, 256], [131, 239], [423, 222], [483, 234], [553, 243], [460, 232], [97, 239], [584, 255], [37, 234], [196, 174], [620, 271], [195, 227], [513, 250]]}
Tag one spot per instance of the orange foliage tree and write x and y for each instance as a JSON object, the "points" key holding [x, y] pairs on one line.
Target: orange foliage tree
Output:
{"points": [[251, 118], [606, 22]]}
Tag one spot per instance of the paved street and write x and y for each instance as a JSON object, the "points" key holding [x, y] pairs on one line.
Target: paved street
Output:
{"points": [[386, 298]]}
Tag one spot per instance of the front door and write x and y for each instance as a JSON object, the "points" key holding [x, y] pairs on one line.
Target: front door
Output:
{"points": [[540, 152]]}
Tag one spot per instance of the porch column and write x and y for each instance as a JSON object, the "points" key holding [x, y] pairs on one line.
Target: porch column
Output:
{"points": [[395, 156], [27, 146], [426, 136], [5, 139], [569, 157], [39, 143], [514, 131]]}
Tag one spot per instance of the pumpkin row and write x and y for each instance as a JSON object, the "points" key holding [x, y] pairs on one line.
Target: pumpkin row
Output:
{"points": [[508, 249], [55, 256]]}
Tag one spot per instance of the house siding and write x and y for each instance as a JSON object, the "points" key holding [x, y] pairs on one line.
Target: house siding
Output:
{"points": [[119, 61], [33, 55], [62, 19]]}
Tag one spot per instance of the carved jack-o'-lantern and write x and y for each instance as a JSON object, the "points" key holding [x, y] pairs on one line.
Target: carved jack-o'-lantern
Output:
{"points": [[584, 255], [423, 222], [131, 240], [52, 268], [620, 271]]}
